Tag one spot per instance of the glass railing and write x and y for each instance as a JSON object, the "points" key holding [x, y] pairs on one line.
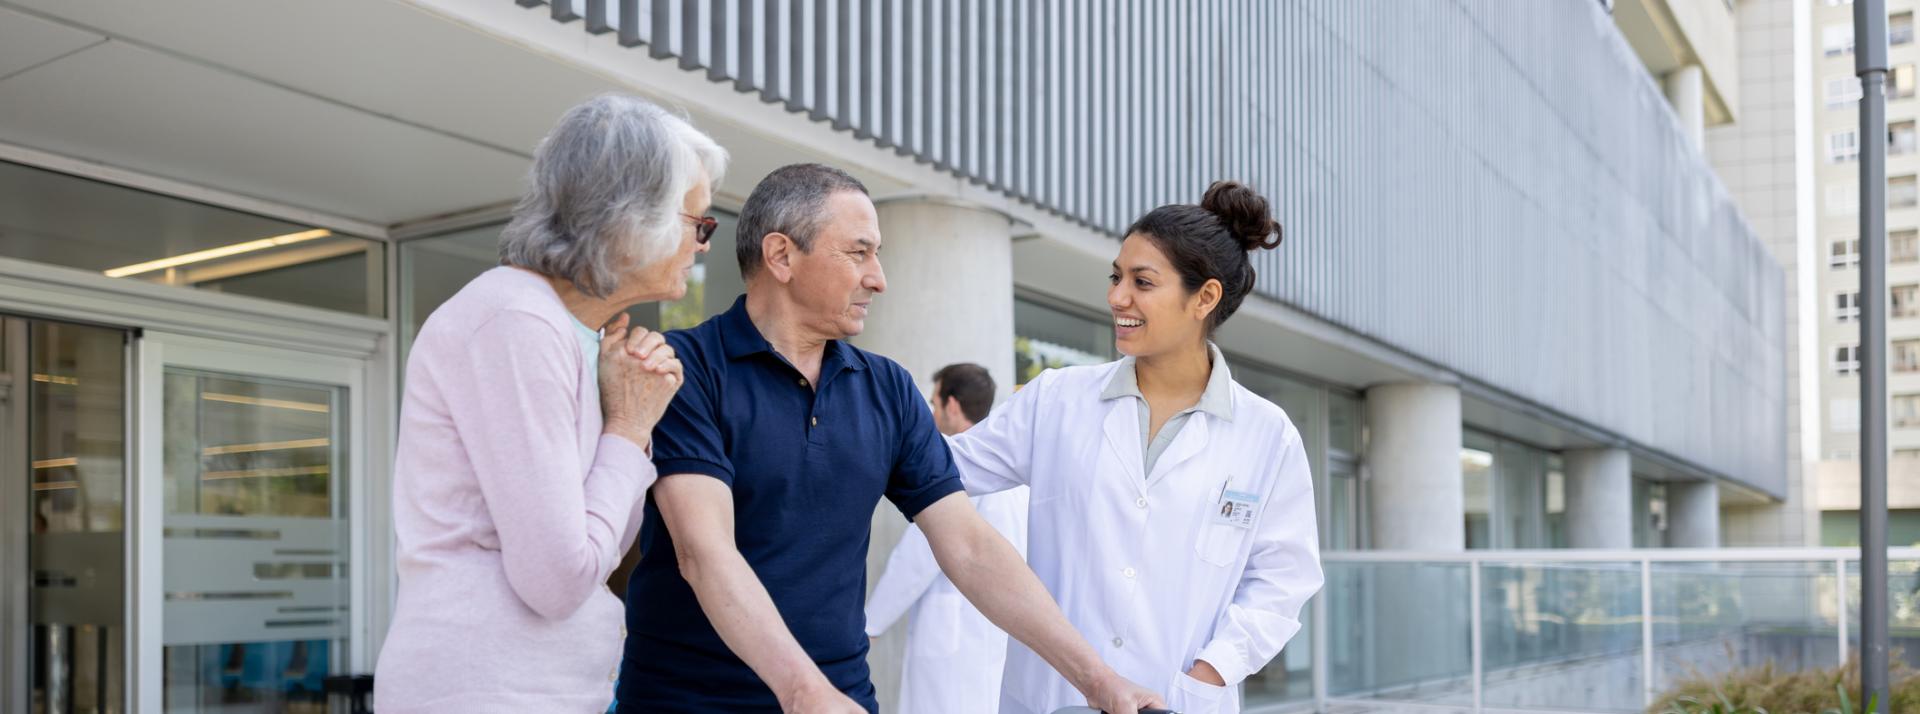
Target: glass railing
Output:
{"points": [[1580, 630]]}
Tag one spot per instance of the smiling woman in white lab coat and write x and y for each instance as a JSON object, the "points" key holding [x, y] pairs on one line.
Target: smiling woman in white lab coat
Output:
{"points": [[1171, 509]]}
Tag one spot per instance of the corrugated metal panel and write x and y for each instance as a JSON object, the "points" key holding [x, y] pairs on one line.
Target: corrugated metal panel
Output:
{"points": [[1498, 187]]}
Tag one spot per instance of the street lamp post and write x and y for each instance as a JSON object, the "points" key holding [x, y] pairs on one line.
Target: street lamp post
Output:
{"points": [[1870, 63]]}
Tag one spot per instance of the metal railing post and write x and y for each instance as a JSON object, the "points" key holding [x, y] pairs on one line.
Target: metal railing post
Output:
{"points": [[1646, 630], [1840, 605], [1320, 637], [1473, 634]]}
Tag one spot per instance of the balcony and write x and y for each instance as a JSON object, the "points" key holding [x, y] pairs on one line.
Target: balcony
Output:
{"points": [[1584, 630]]}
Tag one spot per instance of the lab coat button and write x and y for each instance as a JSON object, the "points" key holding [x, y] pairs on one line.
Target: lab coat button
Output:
{"points": [[1117, 642], [1141, 502], [1127, 572]]}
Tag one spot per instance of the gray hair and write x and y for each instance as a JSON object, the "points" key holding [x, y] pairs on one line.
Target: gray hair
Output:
{"points": [[792, 200], [604, 194]]}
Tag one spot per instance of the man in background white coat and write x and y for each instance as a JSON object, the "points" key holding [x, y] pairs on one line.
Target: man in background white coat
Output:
{"points": [[954, 655]]}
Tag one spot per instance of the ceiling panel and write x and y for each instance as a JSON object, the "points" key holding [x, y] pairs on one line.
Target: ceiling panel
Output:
{"points": [[155, 113], [387, 57], [26, 41]]}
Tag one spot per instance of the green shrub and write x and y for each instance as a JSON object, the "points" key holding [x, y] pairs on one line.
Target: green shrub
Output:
{"points": [[1768, 690]]}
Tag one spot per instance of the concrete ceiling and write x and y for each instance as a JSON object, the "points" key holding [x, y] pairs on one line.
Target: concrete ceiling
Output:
{"points": [[370, 110]]}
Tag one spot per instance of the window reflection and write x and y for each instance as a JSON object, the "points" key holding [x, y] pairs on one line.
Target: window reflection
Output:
{"points": [[1046, 338], [57, 219], [256, 538], [433, 269], [73, 379]]}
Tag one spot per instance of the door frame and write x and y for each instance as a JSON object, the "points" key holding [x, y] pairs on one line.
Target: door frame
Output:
{"points": [[15, 629], [192, 320], [161, 351]]}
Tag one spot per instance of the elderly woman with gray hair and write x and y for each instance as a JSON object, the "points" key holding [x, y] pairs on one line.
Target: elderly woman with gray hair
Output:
{"points": [[522, 466]]}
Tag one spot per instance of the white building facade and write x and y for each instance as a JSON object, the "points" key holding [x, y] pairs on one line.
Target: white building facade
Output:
{"points": [[1515, 307]]}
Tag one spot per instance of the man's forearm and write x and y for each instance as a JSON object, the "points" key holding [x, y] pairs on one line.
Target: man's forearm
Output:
{"points": [[993, 577], [745, 617]]}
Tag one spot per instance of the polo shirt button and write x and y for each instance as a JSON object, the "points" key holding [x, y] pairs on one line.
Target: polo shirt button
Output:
{"points": [[803, 381], [1141, 502], [1127, 572], [1117, 642], [813, 421]]}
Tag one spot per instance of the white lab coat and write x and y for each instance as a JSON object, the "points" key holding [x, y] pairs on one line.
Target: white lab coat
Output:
{"points": [[1138, 562], [954, 655]]}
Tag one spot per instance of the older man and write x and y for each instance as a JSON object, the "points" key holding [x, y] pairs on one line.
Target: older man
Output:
{"points": [[773, 457]]}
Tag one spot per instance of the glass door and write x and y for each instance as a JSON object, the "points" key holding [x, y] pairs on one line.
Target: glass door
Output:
{"points": [[63, 517], [254, 450]]}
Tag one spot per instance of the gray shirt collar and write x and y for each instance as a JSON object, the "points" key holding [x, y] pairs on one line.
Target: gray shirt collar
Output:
{"points": [[1216, 400]]}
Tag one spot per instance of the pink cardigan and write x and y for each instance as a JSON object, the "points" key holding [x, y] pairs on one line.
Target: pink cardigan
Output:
{"points": [[510, 509]]}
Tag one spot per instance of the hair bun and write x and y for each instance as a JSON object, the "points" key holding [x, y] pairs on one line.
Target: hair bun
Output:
{"points": [[1244, 212]]}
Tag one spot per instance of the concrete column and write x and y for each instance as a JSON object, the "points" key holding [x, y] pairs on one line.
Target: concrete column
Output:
{"points": [[1599, 498], [949, 299], [1695, 514], [1687, 92], [1414, 492]]}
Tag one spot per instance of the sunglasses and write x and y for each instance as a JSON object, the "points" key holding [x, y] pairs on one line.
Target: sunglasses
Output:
{"points": [[703, 226]]}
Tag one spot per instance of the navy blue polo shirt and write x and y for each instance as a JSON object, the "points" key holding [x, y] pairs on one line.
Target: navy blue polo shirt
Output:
{"points": [[807, 465]]}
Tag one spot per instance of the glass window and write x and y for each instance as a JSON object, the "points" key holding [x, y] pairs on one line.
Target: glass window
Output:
{"points": [[1905, 411], [1649, 514], [1844, 254], [257, 539], [1905, 355], [1899, 83], [1906, 300], [1836, 40], [1903, 246], [1843, 415], [63, 394], [1476, 467], [1842, 91], [1846, 307], [1843, 199], [1900, 137], [1522, 506], [1901, 192], [1556, 502], [54, 218], [1841, 529], [433, 269], [1846, 359], [1046, 337], [1843, 146], [1900, 28], [1343, 424], [1509, 493]]}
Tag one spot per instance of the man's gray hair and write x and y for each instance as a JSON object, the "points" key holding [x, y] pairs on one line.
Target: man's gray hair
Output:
{"points": [[605, 191], [792, 200]]}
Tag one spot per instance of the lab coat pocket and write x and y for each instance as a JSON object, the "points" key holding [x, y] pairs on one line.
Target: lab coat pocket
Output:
{"points": [[1192, 696], [1219, 543]]}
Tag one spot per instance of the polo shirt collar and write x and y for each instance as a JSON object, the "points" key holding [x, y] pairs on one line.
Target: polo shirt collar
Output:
{"points": [[1217, 399], [742, 339]]}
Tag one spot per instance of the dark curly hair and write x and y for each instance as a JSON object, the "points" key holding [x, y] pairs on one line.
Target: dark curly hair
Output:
{"points": [[1210, 241]]}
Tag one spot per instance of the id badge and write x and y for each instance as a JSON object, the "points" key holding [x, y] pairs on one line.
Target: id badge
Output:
{"points": [[1236, 508]]}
